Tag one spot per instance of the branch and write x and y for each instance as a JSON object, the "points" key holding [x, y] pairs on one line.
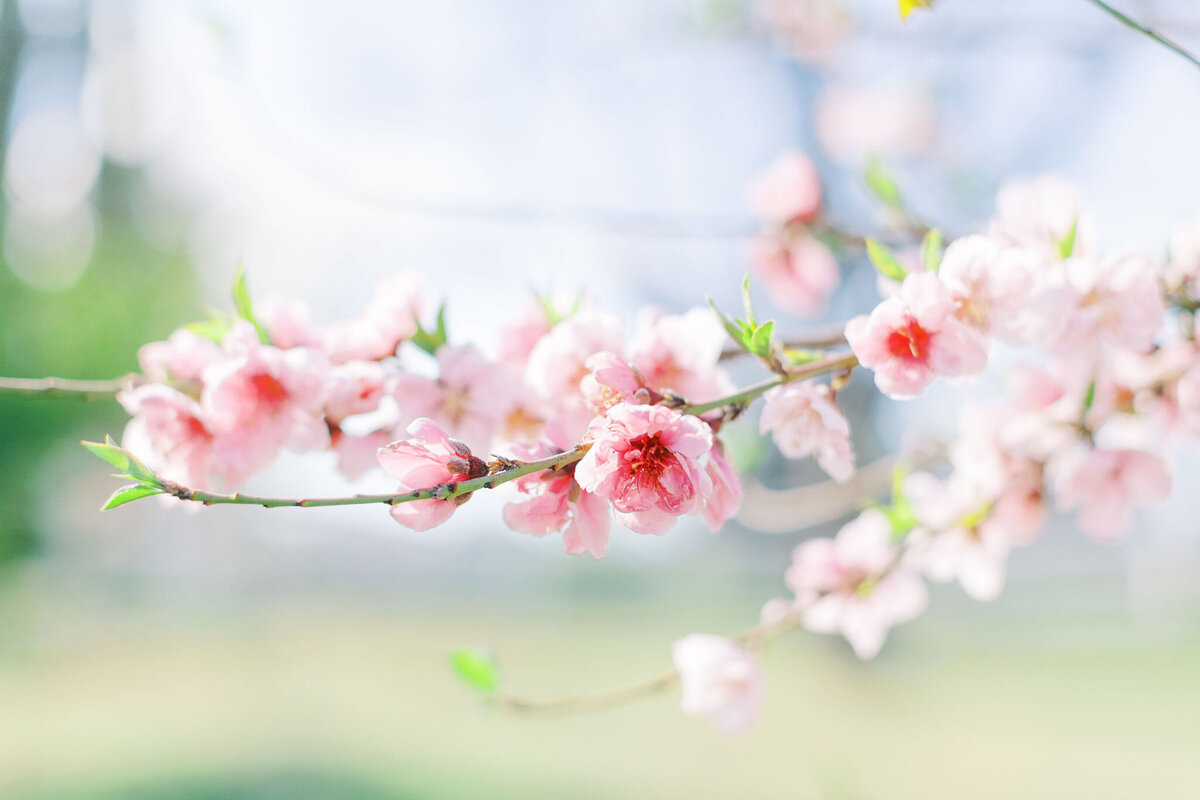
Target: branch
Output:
{"points": [[443, 491], [1140, 28], [845, 361], [820, 339], [64, 387]]}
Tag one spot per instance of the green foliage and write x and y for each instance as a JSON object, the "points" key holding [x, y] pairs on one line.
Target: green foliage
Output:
{"points": [[127, 464], [552, 312], [215, 327], [882, 185], [931, 250], [245, 310], [900, 512], [1066, 245], [430, 341], [748, 334], [127, 494], [884, 260], [476, 668]]}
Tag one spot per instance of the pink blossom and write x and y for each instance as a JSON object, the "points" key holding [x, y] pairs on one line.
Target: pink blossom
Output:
{"points": [[808, 30], [726, 495], [1039, 213], [357, 454], [1116, 300], [719, 679], [389, 318], [804, 421], [519, 337], [853, 585], [950, 542], [261, 399], [681, 353], [287, 321], [995, 291], [1106, 485], [788, 191], [910, 338], [1182, 272], [799, 273], [180, 360], [168, 433], [855, 123], [612, 380], [471, 396], [555, 502], [356, 388], [558, 362], [429, 458], [649, 462]]}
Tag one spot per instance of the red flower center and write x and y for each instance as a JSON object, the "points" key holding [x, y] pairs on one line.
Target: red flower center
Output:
{"points": [[909, 342], [649, 457], [270, 393]]}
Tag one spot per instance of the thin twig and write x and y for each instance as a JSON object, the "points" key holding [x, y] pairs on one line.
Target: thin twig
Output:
{"points": [[819, 339], [1140, 28], [67, 387]]}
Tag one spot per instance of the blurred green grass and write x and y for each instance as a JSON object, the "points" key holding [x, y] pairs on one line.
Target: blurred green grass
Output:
{"points": [[329, 698]]}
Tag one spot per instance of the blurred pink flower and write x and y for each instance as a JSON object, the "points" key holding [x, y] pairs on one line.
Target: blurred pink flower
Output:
{"points": [[800, 273], [719, 679], [910, 338], [804, 421], [681, 353], [429, 458], [555, 502], [389, 318], [180, 360], [853, 585], [1116, 300], [358, 455], [1106, 485], [789, 190], [855, 123], [1039, 213], [726, 497], [167, 433], [612, 380], [261, 399], [558, 362], [356, 388], [649, 462], [471, 396], [287, 321]]}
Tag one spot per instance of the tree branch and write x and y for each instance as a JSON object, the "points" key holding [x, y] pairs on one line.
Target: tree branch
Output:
{"points": [[1140, 28]]}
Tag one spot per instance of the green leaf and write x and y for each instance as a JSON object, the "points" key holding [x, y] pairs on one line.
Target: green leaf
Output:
{"points": [[476, 667], [882, 185], [900, 512], [430, 341], [241, 301], [931, 250], [1066, 245], [798, 357], [732, 326], [1090, 397], [748, 304], [760, 341], [884, 261], [127, 494], [126, 462], [215, 327]]}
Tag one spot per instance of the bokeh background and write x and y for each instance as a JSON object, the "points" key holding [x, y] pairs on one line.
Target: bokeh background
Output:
{"points": [[499, 146]]}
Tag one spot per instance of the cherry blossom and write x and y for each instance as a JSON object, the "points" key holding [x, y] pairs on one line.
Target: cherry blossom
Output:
{"points": [[726, 497], [910, 338], [428, 458], [853, 584], [804, 421], [180, 360], [650, 463], [680, 353], [168, 433], [800, 273], [1106, 485], [389, 318], [788, 191], [719, 679], [554, 502]]}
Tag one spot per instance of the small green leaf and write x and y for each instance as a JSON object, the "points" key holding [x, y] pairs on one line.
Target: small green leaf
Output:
{"points": [[931, 250], [760, 341], [126, 463], [798, 357], [1090, 397], [215, 327], [882, 185], [1066, 245], [241, 301], [884, 261], [476, 667], [430, 341], [732, 327], [748, 304], [127, 494], [900, 512]]}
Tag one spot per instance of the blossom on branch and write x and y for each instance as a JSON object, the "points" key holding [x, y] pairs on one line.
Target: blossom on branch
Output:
{"points": [[719, 679], [428, 459], [804, 421]]}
